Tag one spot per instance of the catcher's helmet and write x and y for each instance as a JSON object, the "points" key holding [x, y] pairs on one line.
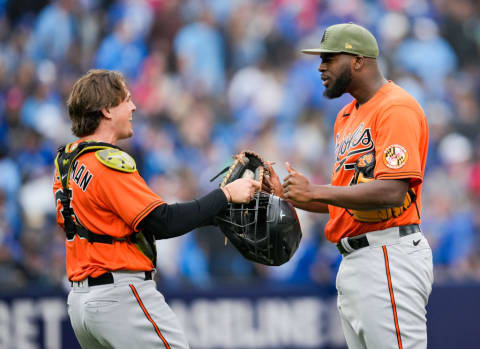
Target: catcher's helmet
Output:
{"points": [[266, 230]]}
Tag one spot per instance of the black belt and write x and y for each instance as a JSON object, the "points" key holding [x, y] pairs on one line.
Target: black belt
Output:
{"points": [[107, 278], [358, 242]]}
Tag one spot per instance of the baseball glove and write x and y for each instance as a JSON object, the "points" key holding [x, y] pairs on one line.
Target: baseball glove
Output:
{"points": [[364, 173], [246, 164]]}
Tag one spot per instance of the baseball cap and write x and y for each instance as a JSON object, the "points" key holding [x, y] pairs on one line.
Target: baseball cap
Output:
{"points": [[348, 38]]}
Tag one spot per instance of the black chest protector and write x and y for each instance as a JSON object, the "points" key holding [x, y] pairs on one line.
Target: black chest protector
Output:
{"points": [[64, 162]]}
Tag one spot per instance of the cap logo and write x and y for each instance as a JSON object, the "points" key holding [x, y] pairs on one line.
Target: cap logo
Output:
{"points": [[395, 156], [347, 45]]}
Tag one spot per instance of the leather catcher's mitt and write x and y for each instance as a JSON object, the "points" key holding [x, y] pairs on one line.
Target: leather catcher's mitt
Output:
{"points": [[364, 173], [246, 164]]}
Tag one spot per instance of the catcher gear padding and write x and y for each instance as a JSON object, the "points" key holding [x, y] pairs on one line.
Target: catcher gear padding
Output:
{"points": [[266, 230], [246, 164], [116, 159], [364, 172]]}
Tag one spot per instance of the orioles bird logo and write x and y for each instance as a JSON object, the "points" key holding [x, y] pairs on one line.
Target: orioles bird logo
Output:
{"points": [[365, 160]]}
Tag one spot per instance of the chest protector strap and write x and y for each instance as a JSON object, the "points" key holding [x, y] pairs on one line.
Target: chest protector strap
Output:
{"points": [[64, 161]]}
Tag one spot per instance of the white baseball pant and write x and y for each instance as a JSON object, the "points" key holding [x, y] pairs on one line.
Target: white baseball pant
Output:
{"points": [[128, 313], [383, 290]]}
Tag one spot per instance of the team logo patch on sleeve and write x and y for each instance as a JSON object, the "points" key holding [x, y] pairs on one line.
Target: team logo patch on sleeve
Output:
{"points": [[395, 156]]}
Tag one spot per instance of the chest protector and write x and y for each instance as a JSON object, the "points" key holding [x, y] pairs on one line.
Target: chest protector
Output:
{"points": [[113, 157]]}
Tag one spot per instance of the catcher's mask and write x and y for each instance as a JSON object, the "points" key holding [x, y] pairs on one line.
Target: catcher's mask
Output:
{"points": [[266, 230]]}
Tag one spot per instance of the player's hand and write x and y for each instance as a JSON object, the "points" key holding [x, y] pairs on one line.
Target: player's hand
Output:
{"points": [[271, 183], [296, 187], [241, 190]]}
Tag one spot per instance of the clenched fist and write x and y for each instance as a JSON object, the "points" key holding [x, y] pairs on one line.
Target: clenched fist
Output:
{"points": [[296, 186], [241, 190]]}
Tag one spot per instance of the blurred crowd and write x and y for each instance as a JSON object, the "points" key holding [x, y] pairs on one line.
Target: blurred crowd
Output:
{"points": [[209, 78]]}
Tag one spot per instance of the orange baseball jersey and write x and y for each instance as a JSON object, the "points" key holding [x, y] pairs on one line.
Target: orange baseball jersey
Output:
{"points": [[106, 202], [394, 125]]}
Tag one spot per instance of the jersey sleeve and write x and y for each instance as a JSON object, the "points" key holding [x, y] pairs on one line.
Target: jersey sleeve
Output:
{"points": [[398, 144], [128, 196]]}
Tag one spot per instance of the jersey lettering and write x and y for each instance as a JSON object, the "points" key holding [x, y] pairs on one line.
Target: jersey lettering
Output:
{"points": [[86, 180], [74, 169], [79, 173], [360, 141], [79, 177]]}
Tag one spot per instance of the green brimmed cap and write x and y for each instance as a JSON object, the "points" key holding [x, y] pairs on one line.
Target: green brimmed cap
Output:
{"points": [[347, 38]]}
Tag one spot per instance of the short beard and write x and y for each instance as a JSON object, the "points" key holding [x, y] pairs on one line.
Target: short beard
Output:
{"points": [[340, 86]]}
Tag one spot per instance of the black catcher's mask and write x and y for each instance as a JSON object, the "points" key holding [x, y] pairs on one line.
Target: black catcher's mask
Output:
{"points": [[266, 230]]}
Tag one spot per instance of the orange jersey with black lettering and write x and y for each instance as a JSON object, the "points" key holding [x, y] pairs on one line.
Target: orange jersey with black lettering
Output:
{"points": [[106, 202], [394, 125]]}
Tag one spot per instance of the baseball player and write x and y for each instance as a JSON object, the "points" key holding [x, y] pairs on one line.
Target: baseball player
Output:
{"points": [[111, 219], [374, 199]]}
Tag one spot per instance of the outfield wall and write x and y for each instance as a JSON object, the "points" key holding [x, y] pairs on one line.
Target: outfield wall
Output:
{"points": [[255, 318]]}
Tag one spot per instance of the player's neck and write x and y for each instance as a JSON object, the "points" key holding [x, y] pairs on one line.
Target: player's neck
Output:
{"points": [[101, 135], [365, 89]]}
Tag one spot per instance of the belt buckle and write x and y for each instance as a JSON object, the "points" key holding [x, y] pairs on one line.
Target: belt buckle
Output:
{"points": [[344, 246], [149, 275], [80, 286], [81, 283], [409, 229]]}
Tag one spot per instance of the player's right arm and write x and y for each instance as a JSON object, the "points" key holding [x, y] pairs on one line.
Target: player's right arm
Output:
{"points": [[129, 197], [376, 194], [171, 220], [302, 194]]}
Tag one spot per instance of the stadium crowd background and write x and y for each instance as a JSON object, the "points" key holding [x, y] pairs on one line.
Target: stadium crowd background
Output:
{"points": [[209, 78]]}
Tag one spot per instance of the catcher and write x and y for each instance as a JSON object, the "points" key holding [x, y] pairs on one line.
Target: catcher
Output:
{"points": [[111, 220]]}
